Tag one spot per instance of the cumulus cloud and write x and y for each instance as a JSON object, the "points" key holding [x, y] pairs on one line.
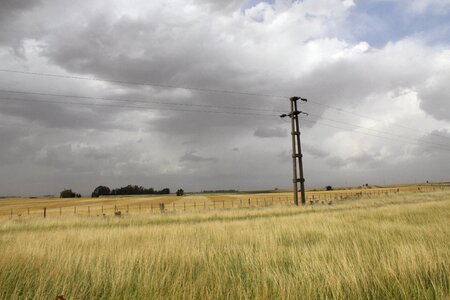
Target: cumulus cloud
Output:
{"points": [[435, 93], [270, 132], [315, 151], [195, 158]]}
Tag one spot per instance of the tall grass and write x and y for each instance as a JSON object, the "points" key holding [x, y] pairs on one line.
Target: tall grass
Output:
{"points": [[374, 248]]}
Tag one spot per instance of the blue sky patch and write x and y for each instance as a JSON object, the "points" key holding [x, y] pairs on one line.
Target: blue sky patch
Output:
{"points": [[250, 3], [379, 22]]}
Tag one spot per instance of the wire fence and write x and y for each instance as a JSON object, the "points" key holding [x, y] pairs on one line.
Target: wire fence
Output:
{"points": [[185, 204]]}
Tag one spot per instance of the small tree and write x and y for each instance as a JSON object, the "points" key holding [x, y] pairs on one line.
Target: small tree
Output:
{"points": [[67, 194], [100, 191], [329, 188], [180, 192]]}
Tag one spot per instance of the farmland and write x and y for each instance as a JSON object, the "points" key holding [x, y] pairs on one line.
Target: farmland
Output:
{"points": [[56, 207], [381, 245]]}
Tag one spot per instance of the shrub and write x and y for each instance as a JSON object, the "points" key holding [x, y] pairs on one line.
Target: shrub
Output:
{"points": [[68, 194]]}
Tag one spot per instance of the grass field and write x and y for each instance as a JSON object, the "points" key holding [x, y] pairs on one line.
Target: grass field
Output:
{"points": [[394, 246], [56, 207]]}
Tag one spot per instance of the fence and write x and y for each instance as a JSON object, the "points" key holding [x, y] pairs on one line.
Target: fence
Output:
{"points": [[180, 205]]}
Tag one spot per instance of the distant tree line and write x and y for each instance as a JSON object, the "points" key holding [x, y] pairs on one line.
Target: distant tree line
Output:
{"points": [[220, 191], [128, 190]]}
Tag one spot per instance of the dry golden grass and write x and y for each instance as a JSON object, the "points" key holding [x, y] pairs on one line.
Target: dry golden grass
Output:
{"points": [[389, 247], [56, 207]]}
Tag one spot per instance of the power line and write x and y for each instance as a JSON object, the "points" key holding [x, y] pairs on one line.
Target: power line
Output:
{"points": [[134, 107], [183, 110], [319, 117], [373, 135], [371, 129], [215, 112], [372, 119], [137, 101], [218, 91]]}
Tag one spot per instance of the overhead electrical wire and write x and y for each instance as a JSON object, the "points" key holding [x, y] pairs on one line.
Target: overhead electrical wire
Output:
{"points": [[319, 117], [7, 99], [189, 105], [374, 135], [217, 91], [372, 119], [222, 91], [139, 101], [371, 129]]}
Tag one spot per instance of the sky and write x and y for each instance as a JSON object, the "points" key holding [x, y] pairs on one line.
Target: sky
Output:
{"points": [[187, 94]]}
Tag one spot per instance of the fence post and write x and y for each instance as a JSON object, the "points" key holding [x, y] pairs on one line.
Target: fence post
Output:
{"points": [[140, 207], [45, 212], [173, 204], [249, 203], [74, 210], [11, 213], [89, 211], [161, 207], [60, 211]]}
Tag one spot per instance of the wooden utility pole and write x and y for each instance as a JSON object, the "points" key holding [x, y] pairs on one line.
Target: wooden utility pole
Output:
{"points": [[296, 151], [299, 152]]}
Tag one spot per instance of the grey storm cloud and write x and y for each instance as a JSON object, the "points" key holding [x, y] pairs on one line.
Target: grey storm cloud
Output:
{"points": [[314, 151], [281, 49], [336, 162], [15, 145], [435, 143], [435, 96], [361, 161], [192, 157], [270, 132], [18, 24]]}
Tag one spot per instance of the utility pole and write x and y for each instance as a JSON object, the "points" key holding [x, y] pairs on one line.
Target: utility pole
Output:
{"points": [[296, 150]]}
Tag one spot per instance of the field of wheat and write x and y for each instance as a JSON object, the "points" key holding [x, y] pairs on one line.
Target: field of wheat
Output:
{"points": [[393, 246]]}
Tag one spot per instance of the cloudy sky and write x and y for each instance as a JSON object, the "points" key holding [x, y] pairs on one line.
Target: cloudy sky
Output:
{"points": [[187, 93]]}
